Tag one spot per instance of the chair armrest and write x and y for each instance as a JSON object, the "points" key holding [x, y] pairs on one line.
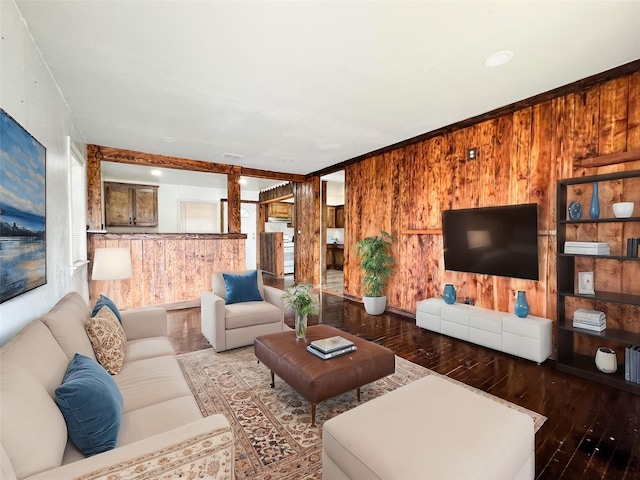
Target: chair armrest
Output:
{"points": [[172, 454], [144, 322], [273, 295], [212, 320]]}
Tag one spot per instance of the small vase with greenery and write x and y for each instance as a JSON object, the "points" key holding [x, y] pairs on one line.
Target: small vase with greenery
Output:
{"points": [[377, 263], [299, 298]]}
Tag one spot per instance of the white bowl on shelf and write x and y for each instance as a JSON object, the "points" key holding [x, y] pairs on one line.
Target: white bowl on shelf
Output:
{"points": [[623, 209]]}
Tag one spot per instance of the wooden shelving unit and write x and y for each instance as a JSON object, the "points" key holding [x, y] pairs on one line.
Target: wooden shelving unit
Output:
{"points": [[576, 346]]}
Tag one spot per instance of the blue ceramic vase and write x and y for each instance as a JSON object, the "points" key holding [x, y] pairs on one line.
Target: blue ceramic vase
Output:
{"points": [[522, 307], [449, 294], [594, 210]]}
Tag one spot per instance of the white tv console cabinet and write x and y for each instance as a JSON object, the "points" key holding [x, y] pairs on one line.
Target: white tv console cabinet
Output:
{"points": [[528, 337]]}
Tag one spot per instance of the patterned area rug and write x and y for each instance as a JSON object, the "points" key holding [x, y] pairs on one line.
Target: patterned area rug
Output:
{"points": [[272, 426]]}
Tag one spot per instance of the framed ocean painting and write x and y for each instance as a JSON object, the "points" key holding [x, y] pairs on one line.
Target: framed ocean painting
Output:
{"points": [[23, 250]]}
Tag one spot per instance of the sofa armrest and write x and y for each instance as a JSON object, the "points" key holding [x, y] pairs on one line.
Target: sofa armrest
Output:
{"points": [[212, 320], [144, 322], [273, 295], [200, 446]]}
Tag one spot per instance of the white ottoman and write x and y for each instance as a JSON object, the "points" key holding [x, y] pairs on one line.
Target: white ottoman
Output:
{"points": [[429, 429]]}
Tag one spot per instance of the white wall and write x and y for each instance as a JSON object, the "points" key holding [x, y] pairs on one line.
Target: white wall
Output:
{"points": [[29, 94]]}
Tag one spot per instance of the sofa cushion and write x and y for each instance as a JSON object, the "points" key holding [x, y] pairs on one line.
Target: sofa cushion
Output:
{"points": [[220, 288], [91, 405], [150, 381], [35, 349], [241, 287], [67, 320], [106, 302], [148, 348], [33, 431], [246, 314], [108, 340]]}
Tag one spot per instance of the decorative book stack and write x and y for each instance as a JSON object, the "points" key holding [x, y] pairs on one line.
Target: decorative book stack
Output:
{"points": [[589, 319], [587, 248], [632, 363], [331, 347]]}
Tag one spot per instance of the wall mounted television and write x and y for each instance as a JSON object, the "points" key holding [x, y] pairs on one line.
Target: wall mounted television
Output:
{"points": [[500, 241]]}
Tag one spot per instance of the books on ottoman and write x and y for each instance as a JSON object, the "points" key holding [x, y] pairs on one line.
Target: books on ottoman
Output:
{"points": [[333, 354], [331, 344]]}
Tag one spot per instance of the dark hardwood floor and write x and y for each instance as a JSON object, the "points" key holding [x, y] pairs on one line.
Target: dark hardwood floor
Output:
{"points": [[591, 431]]}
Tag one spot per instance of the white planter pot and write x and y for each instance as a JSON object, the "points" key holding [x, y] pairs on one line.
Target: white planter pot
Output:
{"points": [[375, 305], [606, 360]]}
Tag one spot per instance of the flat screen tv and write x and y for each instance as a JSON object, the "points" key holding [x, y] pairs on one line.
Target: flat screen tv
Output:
{"points": [[499, 241]]}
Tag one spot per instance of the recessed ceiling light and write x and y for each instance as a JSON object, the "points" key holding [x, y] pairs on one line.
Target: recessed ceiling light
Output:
{"points": [[232, 155], [156, 173], [498, 58], [242, 181], [168, 139]]}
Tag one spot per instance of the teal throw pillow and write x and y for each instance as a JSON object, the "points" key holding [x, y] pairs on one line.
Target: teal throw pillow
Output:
{"points": [[241, 287], [105, 301], [91, 405]]}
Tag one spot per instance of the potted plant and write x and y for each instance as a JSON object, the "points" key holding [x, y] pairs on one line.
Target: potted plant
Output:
{"points": [[298, 297], [377, 263]]}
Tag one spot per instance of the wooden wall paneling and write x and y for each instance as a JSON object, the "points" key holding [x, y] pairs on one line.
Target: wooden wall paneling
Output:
{"points": [[233, 197], [520, 157], [94, 189], [612, 136], [502, 167], [472, 191], [307, 214], [585, 127], [394, 206], [137, 271], [432, 151], [487, 162], [633, 115], [414, 188]]}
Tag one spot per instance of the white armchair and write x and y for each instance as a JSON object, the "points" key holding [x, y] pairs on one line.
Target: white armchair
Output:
{"points": [[237, 324]]}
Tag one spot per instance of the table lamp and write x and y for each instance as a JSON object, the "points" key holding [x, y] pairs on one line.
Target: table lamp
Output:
{"points": [[111, 264]]}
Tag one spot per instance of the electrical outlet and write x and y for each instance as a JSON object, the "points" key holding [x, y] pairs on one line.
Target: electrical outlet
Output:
{"points": [[472, 153]]}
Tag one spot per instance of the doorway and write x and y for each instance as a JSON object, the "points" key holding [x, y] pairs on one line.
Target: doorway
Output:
{"points": [[248, 226], [332, 219]]}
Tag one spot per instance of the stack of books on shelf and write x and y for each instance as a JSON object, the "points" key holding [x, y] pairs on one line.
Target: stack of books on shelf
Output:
{"points": [[632, 363], [331, 347], [632, 247], [587, 248], [589, 319]]}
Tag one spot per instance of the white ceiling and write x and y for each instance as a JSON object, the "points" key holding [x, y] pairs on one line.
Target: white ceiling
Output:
{"points": [[299, 86]]}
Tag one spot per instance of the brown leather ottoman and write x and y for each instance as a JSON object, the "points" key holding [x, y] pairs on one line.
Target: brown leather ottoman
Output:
{"points": [[316, 379]]}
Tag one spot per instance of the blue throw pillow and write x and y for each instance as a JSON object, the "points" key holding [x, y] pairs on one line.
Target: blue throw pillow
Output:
{"points": [[91, 405], [102, 301], [241, 287]]}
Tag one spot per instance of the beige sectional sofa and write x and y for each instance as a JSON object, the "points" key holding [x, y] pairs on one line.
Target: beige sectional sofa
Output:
{"points": [[162, 432]]}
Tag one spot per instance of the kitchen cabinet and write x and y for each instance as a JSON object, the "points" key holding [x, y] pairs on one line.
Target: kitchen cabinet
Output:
{"points": [[335, 256], [335, 216], [331, 217], [130, 205], [280, 210], [616, 290], [339, 216]]}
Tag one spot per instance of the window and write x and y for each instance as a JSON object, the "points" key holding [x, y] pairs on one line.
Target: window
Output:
{"points": [[199, 217], [78, 205]]}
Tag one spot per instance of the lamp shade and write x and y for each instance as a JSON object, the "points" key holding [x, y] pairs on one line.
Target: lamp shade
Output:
{"points": [[111, 264]]}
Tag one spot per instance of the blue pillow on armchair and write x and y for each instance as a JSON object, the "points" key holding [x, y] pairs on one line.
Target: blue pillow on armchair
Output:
{"points": [[241, 287]]}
